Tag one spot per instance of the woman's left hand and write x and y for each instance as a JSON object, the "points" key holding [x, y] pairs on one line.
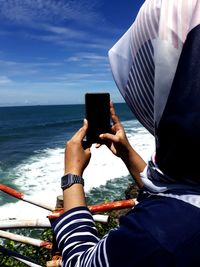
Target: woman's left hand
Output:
{"points": [[77, 157]]}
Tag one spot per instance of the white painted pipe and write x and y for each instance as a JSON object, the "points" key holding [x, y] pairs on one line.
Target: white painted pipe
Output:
{"points": [[37, 203], [21, 223], [40, 222], [25, 239], [100, 218]]}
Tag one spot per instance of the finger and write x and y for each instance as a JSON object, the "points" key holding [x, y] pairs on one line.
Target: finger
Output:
{"points": [[113, 114], [109, 137], [88, 151], [113, 129], [85, 124], [80, 134], [115, 119], [98, 145], [112, 109]]}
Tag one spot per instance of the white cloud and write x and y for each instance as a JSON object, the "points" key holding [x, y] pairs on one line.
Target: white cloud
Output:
{"points": [[29, 11], [5, 80], [74, 39], [87, 56], [95, 62], [91, 68], [11, 66], [60, 33], [58, 21], [29, 71]]}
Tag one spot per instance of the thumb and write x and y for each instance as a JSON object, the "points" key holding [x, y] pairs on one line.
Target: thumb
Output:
{"points": [[82, 131], [85, 124]]}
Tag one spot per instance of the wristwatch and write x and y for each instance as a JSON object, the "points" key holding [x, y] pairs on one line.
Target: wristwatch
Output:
{"points": [[70, 179]]}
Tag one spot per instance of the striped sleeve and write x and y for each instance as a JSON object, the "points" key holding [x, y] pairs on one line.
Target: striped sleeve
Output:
{"points": [[76, 236], [127, 245]]}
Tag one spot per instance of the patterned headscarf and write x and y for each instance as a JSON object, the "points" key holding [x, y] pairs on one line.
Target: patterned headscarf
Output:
{"points": [[156, 66]]}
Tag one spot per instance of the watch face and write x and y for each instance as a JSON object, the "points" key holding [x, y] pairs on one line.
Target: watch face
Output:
{"points": [[65, 180], [70, 179]]}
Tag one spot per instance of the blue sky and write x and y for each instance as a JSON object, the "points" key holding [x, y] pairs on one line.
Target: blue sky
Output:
{"points": [[53, 51]]}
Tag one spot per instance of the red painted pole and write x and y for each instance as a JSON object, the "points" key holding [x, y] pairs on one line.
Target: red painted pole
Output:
{"points": [[103, 207], [11, 191], [14, 193]]}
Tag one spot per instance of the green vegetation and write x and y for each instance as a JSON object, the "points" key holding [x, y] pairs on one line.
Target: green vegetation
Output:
{"points": [[40, 255]]}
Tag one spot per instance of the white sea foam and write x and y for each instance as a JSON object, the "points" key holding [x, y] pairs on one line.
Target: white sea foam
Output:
{"points": [[39, 176]]}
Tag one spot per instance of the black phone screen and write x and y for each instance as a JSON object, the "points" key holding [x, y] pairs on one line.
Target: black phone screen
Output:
{"points": [[98, 115]]}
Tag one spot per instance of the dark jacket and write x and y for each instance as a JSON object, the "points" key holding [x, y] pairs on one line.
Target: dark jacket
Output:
{"points": [[158, 232]]}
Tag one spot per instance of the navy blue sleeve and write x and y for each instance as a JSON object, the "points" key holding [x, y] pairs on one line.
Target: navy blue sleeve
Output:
{"points": [[131, 245], [127, 245]]}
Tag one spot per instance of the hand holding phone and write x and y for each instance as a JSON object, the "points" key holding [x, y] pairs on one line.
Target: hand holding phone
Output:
{"points": [[98, 116]]}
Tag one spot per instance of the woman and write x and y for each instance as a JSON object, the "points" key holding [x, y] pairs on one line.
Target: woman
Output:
{"points": [[160, 81]]}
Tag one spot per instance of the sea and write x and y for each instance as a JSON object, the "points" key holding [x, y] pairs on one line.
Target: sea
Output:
{"points": [[32, 141]]}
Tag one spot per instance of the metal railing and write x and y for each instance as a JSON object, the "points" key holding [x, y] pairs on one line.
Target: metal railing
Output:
{"points": [[45, 223]]}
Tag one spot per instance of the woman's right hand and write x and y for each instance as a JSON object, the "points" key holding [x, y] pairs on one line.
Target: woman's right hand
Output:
{"points": [[116, 141]]}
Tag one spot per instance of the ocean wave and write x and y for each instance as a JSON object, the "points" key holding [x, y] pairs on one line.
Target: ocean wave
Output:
{"points": [[39, 175]]}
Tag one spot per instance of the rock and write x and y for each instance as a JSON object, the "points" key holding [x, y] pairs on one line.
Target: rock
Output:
{"points": [[131, 191]]}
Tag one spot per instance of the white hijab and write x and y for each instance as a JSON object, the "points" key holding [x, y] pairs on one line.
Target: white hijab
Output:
{"points": [[156, 68]]}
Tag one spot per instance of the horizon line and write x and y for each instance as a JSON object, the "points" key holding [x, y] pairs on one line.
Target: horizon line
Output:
{"points": [[39, 105]]}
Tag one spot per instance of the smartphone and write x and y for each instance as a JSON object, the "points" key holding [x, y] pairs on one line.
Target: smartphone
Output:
{"points": [[97, 107]]}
